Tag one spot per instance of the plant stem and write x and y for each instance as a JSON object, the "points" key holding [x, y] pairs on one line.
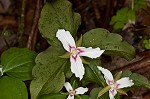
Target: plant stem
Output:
{"points": [[21, 28], [132, 5]]}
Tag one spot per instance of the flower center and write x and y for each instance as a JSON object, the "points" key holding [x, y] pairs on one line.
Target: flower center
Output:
{"points": [[114, 85], [72, 92], [74, 51]]}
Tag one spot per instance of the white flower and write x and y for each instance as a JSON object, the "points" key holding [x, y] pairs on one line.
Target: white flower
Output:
{"points": [[115, 85], [1, 71], [72, 92], [75, 52]]}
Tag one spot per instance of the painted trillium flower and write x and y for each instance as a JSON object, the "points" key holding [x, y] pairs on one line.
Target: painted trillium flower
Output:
{"points": [[72, 92], [75, 52], [114, 86]]}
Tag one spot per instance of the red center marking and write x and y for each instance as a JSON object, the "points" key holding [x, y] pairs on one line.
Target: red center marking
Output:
{"points": [[77, 50]]}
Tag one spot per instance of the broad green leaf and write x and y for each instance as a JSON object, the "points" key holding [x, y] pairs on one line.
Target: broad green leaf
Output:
{"points": [[114, 19], [138, 4], [146, 43], [67, 70], [54, 96], [18, 63], [57, 14], [92, 74], [138, 79], [112, 43], [82, 97], [77, 22], [119, 25], [122, 12], [12, 88], [48, 73], [131, 15], [122, 15]]}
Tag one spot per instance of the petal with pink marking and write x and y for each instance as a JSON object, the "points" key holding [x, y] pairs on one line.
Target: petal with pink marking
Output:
{"points": [[90, 52], [70, 97], [112, 93], [1, 71], [124, 82], [77, 66], [107, 75], [81, 90], [68, 86], [66, 39]]}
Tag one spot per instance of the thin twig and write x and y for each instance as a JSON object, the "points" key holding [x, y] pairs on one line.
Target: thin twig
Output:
{"points": [[96, 10], [109, 12], [136, 66], [8, 21], [33, 34], [21, 29], [132, 7]]}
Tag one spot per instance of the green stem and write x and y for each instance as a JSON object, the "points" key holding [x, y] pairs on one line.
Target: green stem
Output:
{"points": [[132, 5], [21, 29]]}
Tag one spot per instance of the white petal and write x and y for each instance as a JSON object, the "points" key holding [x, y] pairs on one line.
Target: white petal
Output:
{"points": [[68, 86], [77, 66], [81, 90], [1, 71], [112, 93], [124, 82], [90, 52], [66, 39], [107, 75], [70, 97]]}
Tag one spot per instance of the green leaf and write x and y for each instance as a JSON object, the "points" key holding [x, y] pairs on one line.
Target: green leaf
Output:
{"points": [[114, 19], [122, 12], [94, 94], [67, 70], [119, 25], [55, 96], [57, 14], [12, 88], [112, 43], [138, 79], [77, 21], [48, 73], [138, 4], [146, 43], [131, 15], [122, 15], [82, 97], [18, 63], [92, 74]]}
